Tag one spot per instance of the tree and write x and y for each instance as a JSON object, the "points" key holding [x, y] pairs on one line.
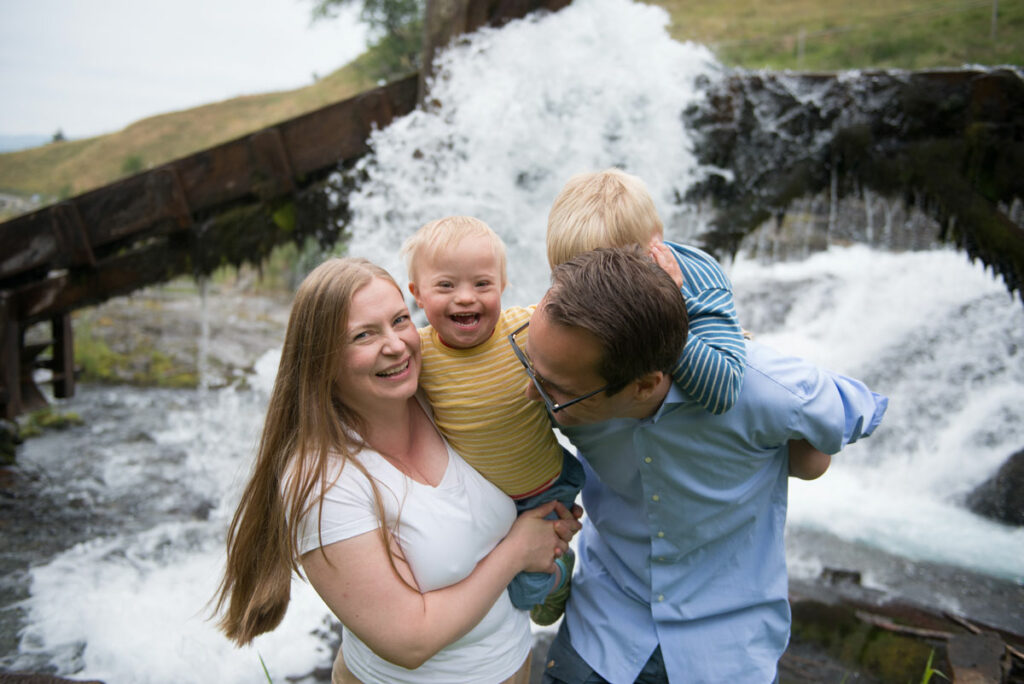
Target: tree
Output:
{"points": [[396, 33]]}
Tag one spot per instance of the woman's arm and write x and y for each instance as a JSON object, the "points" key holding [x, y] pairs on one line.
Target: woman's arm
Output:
{"points": [[401, 625]]}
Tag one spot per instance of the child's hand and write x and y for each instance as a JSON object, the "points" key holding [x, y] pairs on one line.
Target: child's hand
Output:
{"points": [[662, 255]]}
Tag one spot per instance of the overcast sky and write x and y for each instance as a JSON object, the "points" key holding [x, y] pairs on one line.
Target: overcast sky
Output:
{"points": [[94, 66]]}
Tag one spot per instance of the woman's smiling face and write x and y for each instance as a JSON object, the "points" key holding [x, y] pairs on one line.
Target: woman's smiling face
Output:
{"points": [[380, 361]]}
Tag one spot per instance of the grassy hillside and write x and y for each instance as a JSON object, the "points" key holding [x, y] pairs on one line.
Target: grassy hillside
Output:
{"points": [[778, 34], [59, 170], [827, 35]]}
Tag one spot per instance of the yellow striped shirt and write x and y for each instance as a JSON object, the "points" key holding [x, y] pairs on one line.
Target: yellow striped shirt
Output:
{"points": [[479, 405]]}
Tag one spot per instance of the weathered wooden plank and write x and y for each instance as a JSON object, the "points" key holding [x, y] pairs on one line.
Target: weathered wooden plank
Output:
{"points": [[26, 243], [265, 164], [115, 276], [322, 139]]}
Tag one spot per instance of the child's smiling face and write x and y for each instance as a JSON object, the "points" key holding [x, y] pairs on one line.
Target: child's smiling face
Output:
{"points": [[459, 289]]}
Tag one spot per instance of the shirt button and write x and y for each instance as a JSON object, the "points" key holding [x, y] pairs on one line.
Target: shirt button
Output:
{"points": [[655, 498], [661, 597], [648, 459], [661, 559], [660, 533]]}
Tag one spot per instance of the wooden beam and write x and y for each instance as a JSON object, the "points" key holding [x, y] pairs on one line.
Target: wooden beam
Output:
{"points": [[62, 362], [10, 361]]}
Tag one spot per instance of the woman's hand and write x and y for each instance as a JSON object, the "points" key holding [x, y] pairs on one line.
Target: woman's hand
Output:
{"points": [[539, 541]]}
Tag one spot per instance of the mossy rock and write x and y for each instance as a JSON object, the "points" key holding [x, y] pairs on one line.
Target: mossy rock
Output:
{"points": [[888, 657], [46, 418]]}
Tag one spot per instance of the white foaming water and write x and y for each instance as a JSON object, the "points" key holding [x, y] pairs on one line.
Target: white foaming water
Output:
{"points": [[520, 110], [944, 341], [133, 607]]}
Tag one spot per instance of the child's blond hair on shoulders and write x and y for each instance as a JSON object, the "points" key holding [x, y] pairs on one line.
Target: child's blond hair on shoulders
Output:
{"points": [[609, 208], [444, 234]]}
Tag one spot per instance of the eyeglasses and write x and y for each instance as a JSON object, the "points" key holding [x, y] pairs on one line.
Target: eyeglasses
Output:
{"points": [[538, 383]]}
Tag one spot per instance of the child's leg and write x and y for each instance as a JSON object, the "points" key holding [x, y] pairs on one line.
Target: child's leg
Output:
{"points": [[530, 588]]}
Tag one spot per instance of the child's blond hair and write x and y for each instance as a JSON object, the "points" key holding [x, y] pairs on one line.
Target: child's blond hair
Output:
{"points": [[609, 208], [446, 233]]}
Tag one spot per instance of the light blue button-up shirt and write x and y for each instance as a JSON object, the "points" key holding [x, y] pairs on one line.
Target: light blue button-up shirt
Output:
{"points": [[683, 544]]}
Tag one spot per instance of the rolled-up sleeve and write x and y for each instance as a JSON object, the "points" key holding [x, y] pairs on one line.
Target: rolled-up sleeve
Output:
{"points": [[836, 410], [828, 409]]}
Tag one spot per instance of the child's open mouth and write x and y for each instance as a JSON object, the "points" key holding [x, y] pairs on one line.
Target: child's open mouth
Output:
{"points": [[465, 320]]}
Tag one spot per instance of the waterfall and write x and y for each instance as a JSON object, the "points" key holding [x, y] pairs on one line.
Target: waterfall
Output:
{"points": [[944, 341], [513, 113]]}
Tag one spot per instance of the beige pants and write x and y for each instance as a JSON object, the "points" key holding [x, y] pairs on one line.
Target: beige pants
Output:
{"points": [[341, 674]]}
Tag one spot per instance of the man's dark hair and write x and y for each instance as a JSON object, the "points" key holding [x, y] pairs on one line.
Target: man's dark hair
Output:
{"points": [[628, 303]]}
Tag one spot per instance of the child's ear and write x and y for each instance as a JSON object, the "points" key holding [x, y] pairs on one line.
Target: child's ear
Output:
{"points": [[414, 291]]}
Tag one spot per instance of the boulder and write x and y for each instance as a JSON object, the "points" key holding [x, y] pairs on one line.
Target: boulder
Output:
{"points": [[1001, 497]]}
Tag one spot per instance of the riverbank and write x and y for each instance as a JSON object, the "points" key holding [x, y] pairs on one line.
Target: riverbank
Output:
{"points": [[852, 622]]}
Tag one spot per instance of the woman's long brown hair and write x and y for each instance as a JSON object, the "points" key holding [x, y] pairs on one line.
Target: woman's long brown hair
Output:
{"points": [[306, 427]]}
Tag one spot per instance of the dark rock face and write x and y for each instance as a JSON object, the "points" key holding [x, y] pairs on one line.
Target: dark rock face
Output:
{"points": [[1002, 496], [951, 143]]}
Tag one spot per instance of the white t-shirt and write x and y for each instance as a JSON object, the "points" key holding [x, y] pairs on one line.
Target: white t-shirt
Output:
{"points": [[444, 531]]}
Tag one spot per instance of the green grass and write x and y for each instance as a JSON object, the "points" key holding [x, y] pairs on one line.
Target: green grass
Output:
{"points": [[868, 34], [754, 34]]}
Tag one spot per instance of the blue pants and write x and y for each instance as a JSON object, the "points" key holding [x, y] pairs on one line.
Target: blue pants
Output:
{"points": [[529, 588], [565, 666]]}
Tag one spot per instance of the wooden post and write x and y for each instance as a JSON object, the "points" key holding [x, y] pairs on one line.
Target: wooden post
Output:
{"points": [[444, 20], [10, 362], [63, 357]]}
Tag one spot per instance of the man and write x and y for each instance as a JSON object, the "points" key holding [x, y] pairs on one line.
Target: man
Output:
{"points": [[681, 571]]}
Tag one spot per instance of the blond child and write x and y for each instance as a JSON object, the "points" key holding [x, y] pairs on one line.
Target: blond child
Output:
{"points": [[474, 383], [612, 208]]}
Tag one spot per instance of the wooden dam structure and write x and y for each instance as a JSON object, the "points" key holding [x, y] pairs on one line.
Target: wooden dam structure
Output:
{"points": [[235, 202]]}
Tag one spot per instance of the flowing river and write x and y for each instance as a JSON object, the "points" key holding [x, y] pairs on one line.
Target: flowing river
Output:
{"points": [[145, 489]]}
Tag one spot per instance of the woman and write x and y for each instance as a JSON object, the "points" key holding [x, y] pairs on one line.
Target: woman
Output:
{"points": [[408, 545]]}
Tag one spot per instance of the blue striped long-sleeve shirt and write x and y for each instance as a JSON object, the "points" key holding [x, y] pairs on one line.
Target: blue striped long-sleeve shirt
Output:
{"points": [[710, 369]]}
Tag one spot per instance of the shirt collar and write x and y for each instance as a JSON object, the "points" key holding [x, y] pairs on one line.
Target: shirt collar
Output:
{"points": [[672, 398]]}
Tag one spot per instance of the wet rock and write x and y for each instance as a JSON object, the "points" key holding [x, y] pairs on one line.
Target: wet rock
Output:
{"points": [[947, 142], [978, 659], [856, 646], [1002, 496]]}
